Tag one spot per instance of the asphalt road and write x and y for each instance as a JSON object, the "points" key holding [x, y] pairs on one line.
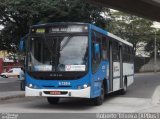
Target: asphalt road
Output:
{"points": [[144, 85], [137, 99], [9, 84]]}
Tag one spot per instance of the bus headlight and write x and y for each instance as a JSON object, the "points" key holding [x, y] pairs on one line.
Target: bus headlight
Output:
{"points": [[30, 85], [82, 86], [79, 87], [34, 86], [85, 86]]}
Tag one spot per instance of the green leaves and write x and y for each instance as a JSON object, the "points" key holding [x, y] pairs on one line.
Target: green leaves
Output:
{"points": [[131, 28], [18, 15]]}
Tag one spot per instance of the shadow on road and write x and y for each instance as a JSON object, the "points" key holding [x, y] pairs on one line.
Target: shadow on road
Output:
{"points": [[76, 104], [143, 86]]}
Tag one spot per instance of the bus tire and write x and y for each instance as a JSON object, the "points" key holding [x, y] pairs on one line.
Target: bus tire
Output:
{"points": [[53, 100], [124, 90], [99, 100]]}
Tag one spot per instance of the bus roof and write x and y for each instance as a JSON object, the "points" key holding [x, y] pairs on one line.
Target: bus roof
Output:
{"points": [[92, 27], [110, 35], [60, 23]]}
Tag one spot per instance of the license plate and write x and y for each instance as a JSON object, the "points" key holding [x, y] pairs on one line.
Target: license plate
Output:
{"points": [[55, 92]]}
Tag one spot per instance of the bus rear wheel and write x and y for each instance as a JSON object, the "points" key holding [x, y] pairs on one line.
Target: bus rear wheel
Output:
{"points": [[124, 90], [99, 100], [52, 100]]}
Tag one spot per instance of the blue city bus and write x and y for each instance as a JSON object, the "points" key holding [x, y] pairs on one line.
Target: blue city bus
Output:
{"points": [[77, 60]]}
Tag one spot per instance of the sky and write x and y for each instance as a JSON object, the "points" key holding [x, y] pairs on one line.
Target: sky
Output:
{"points": [[1, 27], [156, 24]]}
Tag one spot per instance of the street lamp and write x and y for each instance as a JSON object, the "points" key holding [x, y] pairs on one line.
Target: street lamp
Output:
{"points": [[155, 46], [155, 53]]}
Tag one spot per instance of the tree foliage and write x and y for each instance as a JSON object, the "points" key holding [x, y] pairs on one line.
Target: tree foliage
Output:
{"points": [[131, 28], [151, 43], [18, 15]]}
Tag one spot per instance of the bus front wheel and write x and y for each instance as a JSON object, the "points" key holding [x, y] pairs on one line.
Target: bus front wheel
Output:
{"points": [[99, 100], [52, 100]]}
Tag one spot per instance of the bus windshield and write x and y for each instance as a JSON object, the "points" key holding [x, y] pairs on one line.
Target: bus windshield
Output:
{"points": [[58, 53]]}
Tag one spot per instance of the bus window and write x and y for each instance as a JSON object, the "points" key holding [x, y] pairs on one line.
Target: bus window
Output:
{"points": [[104, 48], [115, 47]]}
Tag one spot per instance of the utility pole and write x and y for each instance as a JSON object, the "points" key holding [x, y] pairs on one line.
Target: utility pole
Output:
{"points": [[155, 54]]}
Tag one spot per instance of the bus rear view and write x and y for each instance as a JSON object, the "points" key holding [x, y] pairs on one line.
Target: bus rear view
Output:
{"points": [[63, 60]]}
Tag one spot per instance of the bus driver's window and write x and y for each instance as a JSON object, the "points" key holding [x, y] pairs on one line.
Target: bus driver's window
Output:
{"points": [[105, 48], [96, 51]]}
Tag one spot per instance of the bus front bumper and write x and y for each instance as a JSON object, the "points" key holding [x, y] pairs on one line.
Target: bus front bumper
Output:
{"points": [[79, 93]]}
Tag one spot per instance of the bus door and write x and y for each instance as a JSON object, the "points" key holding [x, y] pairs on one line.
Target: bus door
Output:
{"points": [[115, 68], [121, 66], [110, 68]]}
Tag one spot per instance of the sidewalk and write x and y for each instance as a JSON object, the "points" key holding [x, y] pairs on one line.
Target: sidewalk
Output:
{"points": [[147, 73], [152, 109], [11, 94]]}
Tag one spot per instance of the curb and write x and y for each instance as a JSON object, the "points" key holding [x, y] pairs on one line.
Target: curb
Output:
{"points": [[156, 96], [146, 74]]}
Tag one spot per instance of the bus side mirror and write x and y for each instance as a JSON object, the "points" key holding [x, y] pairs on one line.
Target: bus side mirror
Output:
{"points": [[96, 49]]}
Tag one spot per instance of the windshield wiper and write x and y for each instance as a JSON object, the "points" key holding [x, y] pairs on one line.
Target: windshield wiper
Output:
{"points": [[66, 42]]}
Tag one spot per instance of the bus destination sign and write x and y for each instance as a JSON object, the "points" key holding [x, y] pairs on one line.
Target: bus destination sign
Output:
{"points": [[40, 30], [61, 29], [71, 28]]}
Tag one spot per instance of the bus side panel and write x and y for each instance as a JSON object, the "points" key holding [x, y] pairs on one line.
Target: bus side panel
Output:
{"points": [[90, 62], [97, 79], [128, 71], [102, 72], [116, 76]]}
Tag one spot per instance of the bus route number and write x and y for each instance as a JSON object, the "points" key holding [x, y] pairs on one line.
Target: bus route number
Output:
{"points": [[64, 83]]}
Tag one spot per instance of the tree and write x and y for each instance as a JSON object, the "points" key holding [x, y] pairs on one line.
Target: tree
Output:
{"points": [[151, 44], [131, 28], [18, 15]]}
